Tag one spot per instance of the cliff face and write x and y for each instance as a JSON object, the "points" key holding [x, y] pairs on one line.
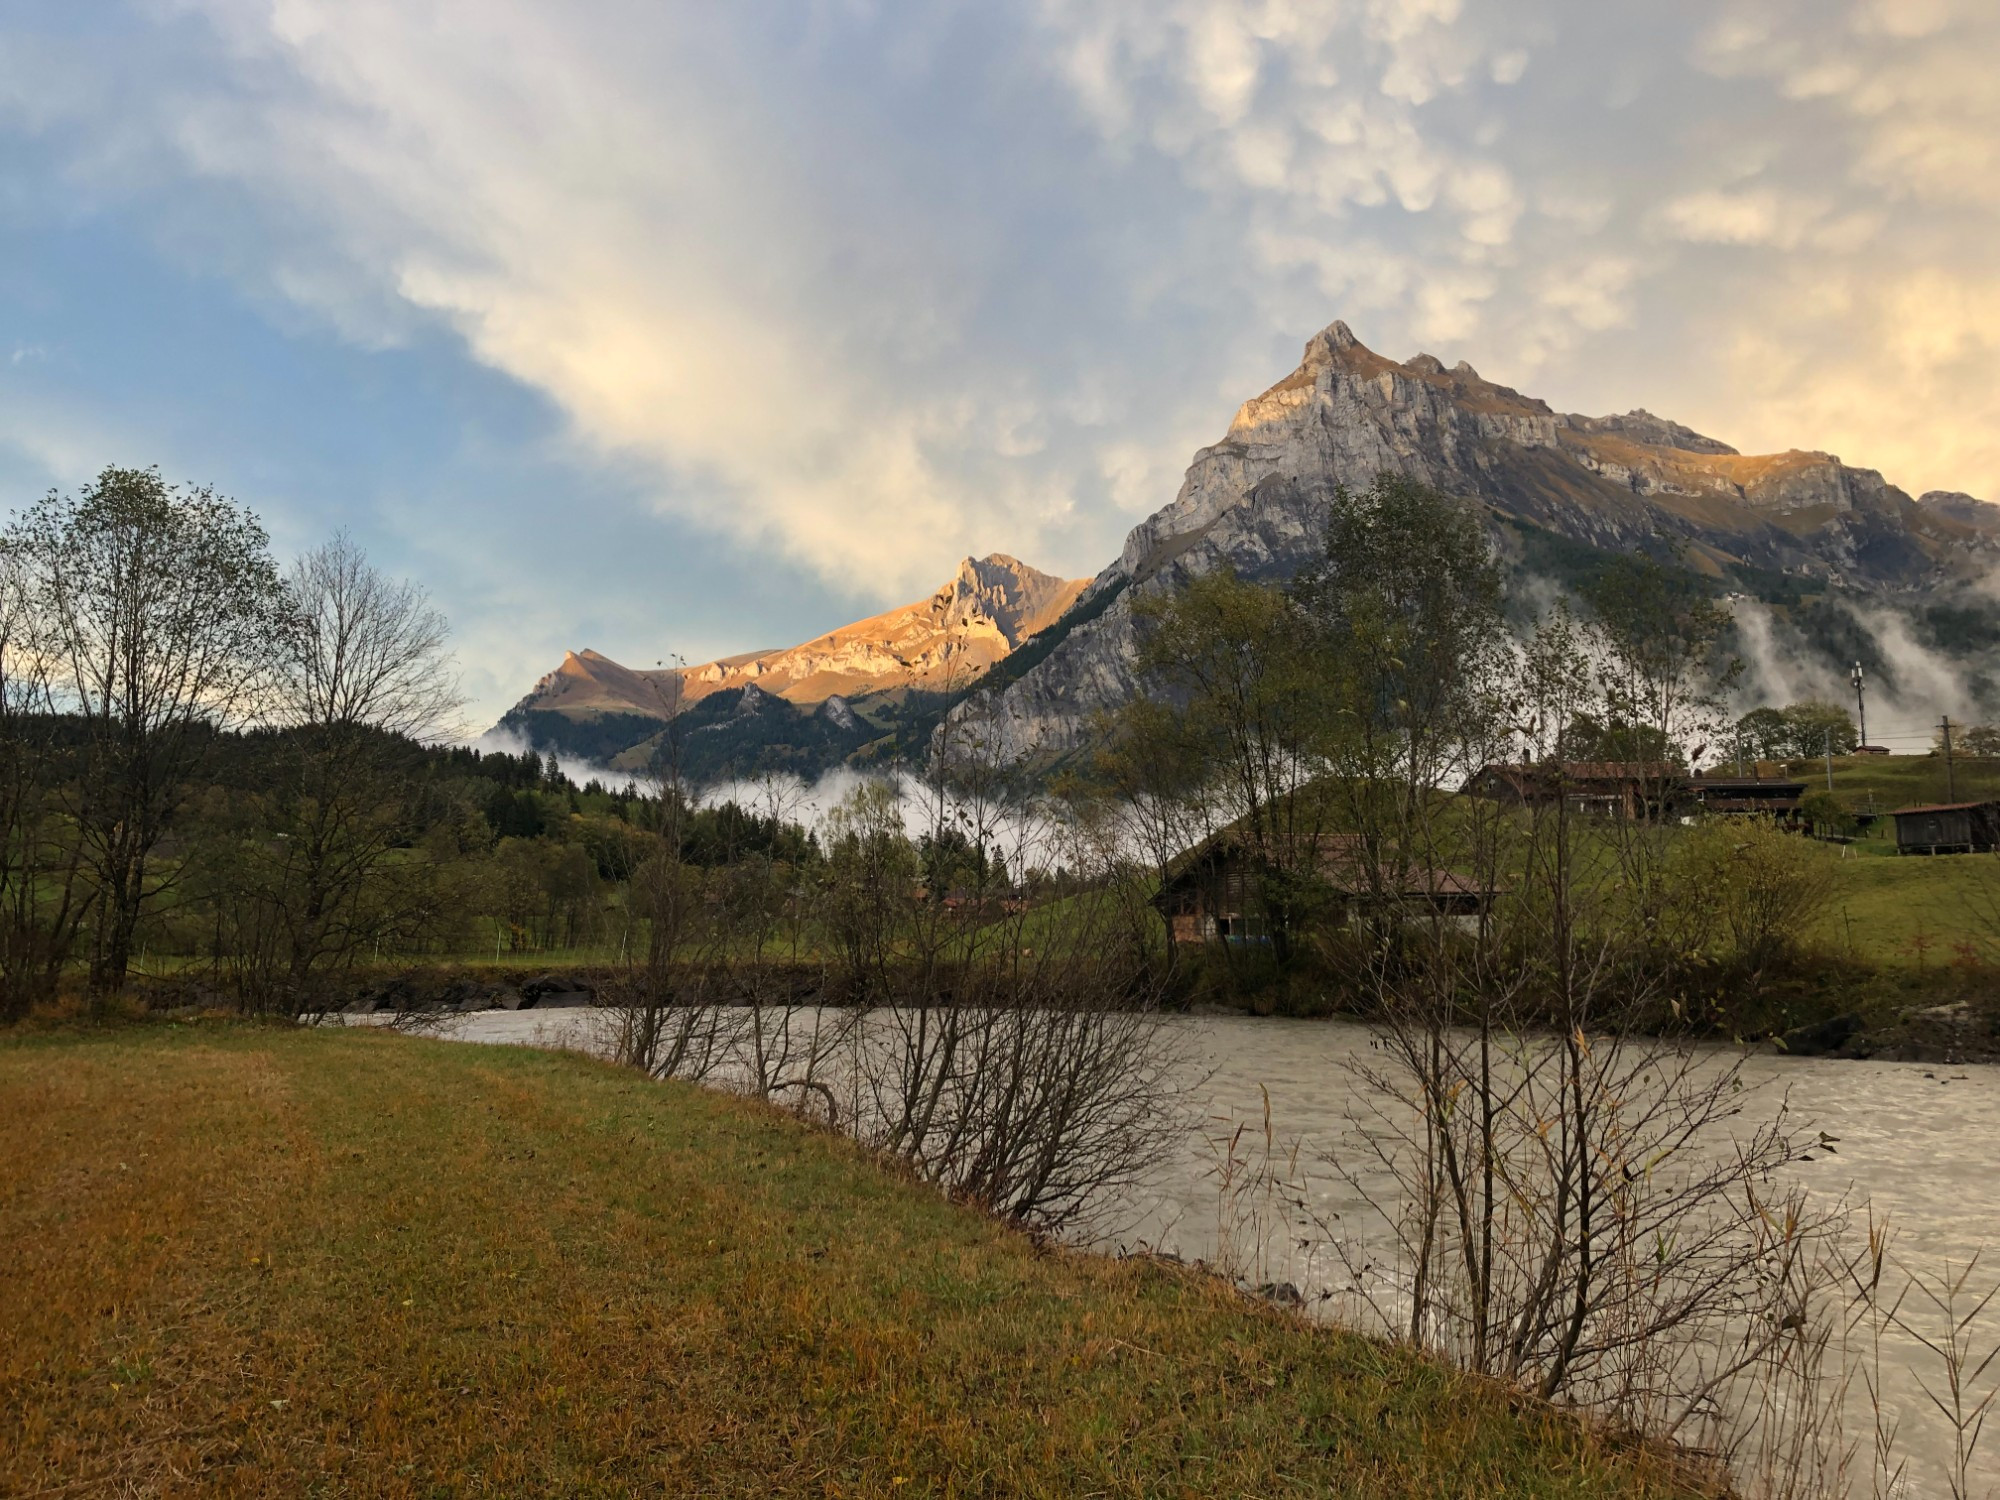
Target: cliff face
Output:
{"points": [[945, 641], [1257, 500], [987, 609]]}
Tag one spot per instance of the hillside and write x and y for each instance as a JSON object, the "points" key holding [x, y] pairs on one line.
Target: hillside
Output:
{"points": [[1797, 527], [842, 687], [262, 1261]]}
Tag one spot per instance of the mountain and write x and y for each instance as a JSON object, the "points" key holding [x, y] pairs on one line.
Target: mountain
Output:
{"points": [[1556, 488], [1975, 515], [806, 706]]}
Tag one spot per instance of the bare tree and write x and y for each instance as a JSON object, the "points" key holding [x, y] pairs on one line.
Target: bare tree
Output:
{"points": [[362, 674], [671, 1018], [42, 901], [158, 609]]}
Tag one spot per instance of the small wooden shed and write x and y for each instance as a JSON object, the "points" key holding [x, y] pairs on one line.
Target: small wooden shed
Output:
{"points": [[1948, 828]]}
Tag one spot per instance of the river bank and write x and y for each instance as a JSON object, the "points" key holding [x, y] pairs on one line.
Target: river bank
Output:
{"points": [[1950, 1017], [261, 1260]]}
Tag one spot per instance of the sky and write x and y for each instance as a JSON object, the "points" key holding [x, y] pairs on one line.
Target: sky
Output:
{"points": [[676, 329]]}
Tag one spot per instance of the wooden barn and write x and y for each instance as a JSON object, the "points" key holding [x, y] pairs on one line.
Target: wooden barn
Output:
{"points": [[1214, 893], [1948, 828]]}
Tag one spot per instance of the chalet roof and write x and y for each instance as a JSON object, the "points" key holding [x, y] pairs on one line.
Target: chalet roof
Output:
{"points": [[1938, 807], [1773, 784], [1589, 770], [1336, 857]]}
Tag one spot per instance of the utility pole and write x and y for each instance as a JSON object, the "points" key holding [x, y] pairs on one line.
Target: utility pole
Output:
{"points": [[1860, 701], [1950, 783]]}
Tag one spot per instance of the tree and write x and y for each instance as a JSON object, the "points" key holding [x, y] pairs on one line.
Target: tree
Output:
{"points": [[1410, 644], [1146, 798], [41, 903], [870, 872], [1817, 727], [1798, 731], [362, 672], [1763, 734], [159, 609], [1231, 656], [1759, 889], [1659, 642]]}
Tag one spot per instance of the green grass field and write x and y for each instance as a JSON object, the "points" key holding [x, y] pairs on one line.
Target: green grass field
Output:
{"points": [[255, 1261], [1910, 912], [1886, 782]]}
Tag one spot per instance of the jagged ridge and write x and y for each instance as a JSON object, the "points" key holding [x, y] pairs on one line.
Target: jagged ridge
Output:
{"points": [[1257, 501], [594, 706]]}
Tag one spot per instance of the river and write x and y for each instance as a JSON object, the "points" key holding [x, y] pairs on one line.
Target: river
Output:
{"points": [[1911, 1140]]}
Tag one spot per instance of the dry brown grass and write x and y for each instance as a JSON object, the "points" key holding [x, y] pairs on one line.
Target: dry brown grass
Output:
{"points": [[249, 1261]]}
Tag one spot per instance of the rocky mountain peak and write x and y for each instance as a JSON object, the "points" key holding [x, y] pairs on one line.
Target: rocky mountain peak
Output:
{"points": [[942, 642], [1256, 501], [998, 593], [1956, 505], [1335, 338], [1641, 426]]}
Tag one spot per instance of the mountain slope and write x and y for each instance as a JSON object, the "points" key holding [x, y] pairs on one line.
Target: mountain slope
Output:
{"points": [[1257, 501], [804, 706]]}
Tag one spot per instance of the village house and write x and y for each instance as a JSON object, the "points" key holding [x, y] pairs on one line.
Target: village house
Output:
{"points": [[1214, 892], [1607, 788], [1775, 798], [1948, 828]]}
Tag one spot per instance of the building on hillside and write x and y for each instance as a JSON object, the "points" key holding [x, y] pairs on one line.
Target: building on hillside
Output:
{"points": [[1216, 891], [1607, 788], [1749, 796], [1948, 828]]}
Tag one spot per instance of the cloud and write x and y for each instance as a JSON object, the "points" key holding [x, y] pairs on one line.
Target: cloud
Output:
{"points": [[856, 290]]}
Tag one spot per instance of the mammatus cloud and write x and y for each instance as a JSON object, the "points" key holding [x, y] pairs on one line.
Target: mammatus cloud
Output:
{"points": [[868, 289], [1782, 211]]}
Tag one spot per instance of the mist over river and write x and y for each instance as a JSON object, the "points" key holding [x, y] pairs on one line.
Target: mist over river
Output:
{"points": [[1914, 1140]]}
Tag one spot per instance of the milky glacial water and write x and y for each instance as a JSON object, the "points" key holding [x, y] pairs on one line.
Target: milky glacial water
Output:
{"points": [[1914, 1140]]}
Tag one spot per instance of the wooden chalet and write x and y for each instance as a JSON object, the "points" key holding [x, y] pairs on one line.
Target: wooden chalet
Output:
{"points": [[1607, 788], [1215, 892], [1749, 796], [1948, 828]]}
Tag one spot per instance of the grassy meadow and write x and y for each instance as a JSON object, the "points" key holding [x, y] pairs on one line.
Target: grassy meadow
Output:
{"points": [[267, 1261]]}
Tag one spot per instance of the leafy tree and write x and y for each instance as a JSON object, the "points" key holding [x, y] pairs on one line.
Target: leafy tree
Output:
{"points": [[1797, 732], [867, 882], [1231, 657], [1590, 736], [1405, 604], [159, 609], [1816, 726], [1660, 640], [1410, 643], [1756, 889], [1764, 734], [1826, 814]]}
